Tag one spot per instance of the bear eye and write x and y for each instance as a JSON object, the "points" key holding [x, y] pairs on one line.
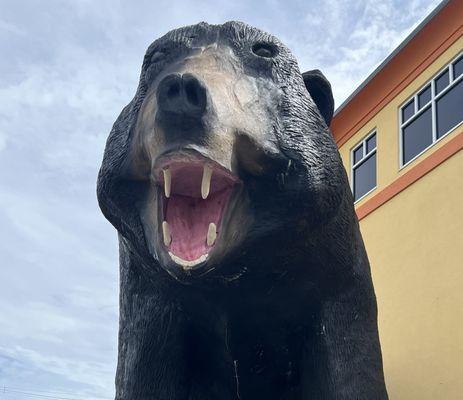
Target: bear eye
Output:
{"points": [[266, 50], [158, 56]]}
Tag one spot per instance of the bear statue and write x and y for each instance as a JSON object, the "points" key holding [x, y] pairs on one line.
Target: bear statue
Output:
{"points": [[243, 274]]}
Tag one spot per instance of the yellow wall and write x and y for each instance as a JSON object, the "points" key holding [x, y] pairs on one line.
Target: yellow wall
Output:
{"points": [[415, 246]]}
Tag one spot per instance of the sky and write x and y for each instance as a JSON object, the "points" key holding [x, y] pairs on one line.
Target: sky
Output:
{"points": [[67, 68]]}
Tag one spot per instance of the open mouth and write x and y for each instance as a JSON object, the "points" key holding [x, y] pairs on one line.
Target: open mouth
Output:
{"points": [[195, 193]]}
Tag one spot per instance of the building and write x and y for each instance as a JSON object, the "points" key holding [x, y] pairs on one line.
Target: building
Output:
{"points": [[400, 135]]}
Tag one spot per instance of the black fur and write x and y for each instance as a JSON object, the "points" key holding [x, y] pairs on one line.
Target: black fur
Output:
{"points": [[290, 313]]}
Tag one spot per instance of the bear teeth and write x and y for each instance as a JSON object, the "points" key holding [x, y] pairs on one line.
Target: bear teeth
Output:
{"points": [[211, 234], [210, 239], [166, 233], [188, 264], [167, 181], [206, 181]]}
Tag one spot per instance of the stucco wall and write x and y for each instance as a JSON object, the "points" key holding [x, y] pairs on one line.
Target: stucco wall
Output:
{"points": [[415, 245]]}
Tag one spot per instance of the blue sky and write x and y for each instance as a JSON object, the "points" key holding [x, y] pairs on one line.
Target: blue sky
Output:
{"points": [[67, 69]]}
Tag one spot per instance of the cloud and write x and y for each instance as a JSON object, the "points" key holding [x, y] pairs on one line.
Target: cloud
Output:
{"points": [[348, 39], [94, 375]]}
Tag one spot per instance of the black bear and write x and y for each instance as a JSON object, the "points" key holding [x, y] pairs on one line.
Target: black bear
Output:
{"points": [[242, 268]]}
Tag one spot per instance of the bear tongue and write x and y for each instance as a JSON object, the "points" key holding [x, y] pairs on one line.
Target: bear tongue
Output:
{"points": [[189, 220]]}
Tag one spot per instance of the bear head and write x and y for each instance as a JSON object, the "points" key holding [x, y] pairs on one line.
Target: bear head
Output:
{"points": [[223, 162]]}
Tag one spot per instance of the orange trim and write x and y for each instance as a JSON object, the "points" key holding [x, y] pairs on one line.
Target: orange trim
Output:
{"points": [[434, 38], [417, 172]]}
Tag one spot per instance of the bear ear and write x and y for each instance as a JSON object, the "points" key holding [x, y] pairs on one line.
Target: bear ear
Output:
{"points": [[320, 91]]}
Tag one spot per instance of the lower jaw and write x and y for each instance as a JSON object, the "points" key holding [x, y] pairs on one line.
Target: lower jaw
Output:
{"points": [[189, 241], [230, 236]]}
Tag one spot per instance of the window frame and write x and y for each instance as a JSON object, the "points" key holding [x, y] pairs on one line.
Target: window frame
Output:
{"points": [[432, 103], [365, 157]]}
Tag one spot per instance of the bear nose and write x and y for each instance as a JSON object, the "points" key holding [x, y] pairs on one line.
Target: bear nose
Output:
{"points": [[182, 94]]}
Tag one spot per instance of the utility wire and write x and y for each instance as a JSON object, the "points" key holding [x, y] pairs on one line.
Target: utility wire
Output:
{"points": [[40, 391], [40, 394], [36, 395]]}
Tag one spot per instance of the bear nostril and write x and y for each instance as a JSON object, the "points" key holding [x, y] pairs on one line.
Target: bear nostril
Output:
{"points": [[169, 93], [173, 91], [195, 92], [191, 93]]}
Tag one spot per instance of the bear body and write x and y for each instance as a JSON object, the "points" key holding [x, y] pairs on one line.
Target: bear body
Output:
{"points": [[243, 274]]}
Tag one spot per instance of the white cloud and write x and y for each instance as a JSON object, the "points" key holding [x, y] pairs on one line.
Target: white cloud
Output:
{"points": [[95, 376], [353, 38]]}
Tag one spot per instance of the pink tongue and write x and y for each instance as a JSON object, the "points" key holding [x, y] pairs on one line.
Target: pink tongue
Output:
{"points": [[189, 220]]}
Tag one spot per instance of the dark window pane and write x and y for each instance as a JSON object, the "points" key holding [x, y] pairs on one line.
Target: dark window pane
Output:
{"points": [[417, 135], [442, 81], [458, 68], [449, 109], [371, 143], [358, 154], [408, 110], [424, 97], [365, 177]]}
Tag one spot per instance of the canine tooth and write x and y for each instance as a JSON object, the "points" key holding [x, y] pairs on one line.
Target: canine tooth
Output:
{"points": [[166, 233], [206, 182], [211, 234], [167, 181]]}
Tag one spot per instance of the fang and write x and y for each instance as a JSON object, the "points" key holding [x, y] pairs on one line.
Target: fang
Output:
{"points": [[166, 233], [167, 182], [206, 181], [211, 234]]}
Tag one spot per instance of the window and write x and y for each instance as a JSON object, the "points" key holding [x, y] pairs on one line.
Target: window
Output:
{"points": [[435, 110], [363, 162]]}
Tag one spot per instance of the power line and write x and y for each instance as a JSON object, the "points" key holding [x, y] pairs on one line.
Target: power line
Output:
{"points": [[37, 395], [41, 394], [49, 391]]}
